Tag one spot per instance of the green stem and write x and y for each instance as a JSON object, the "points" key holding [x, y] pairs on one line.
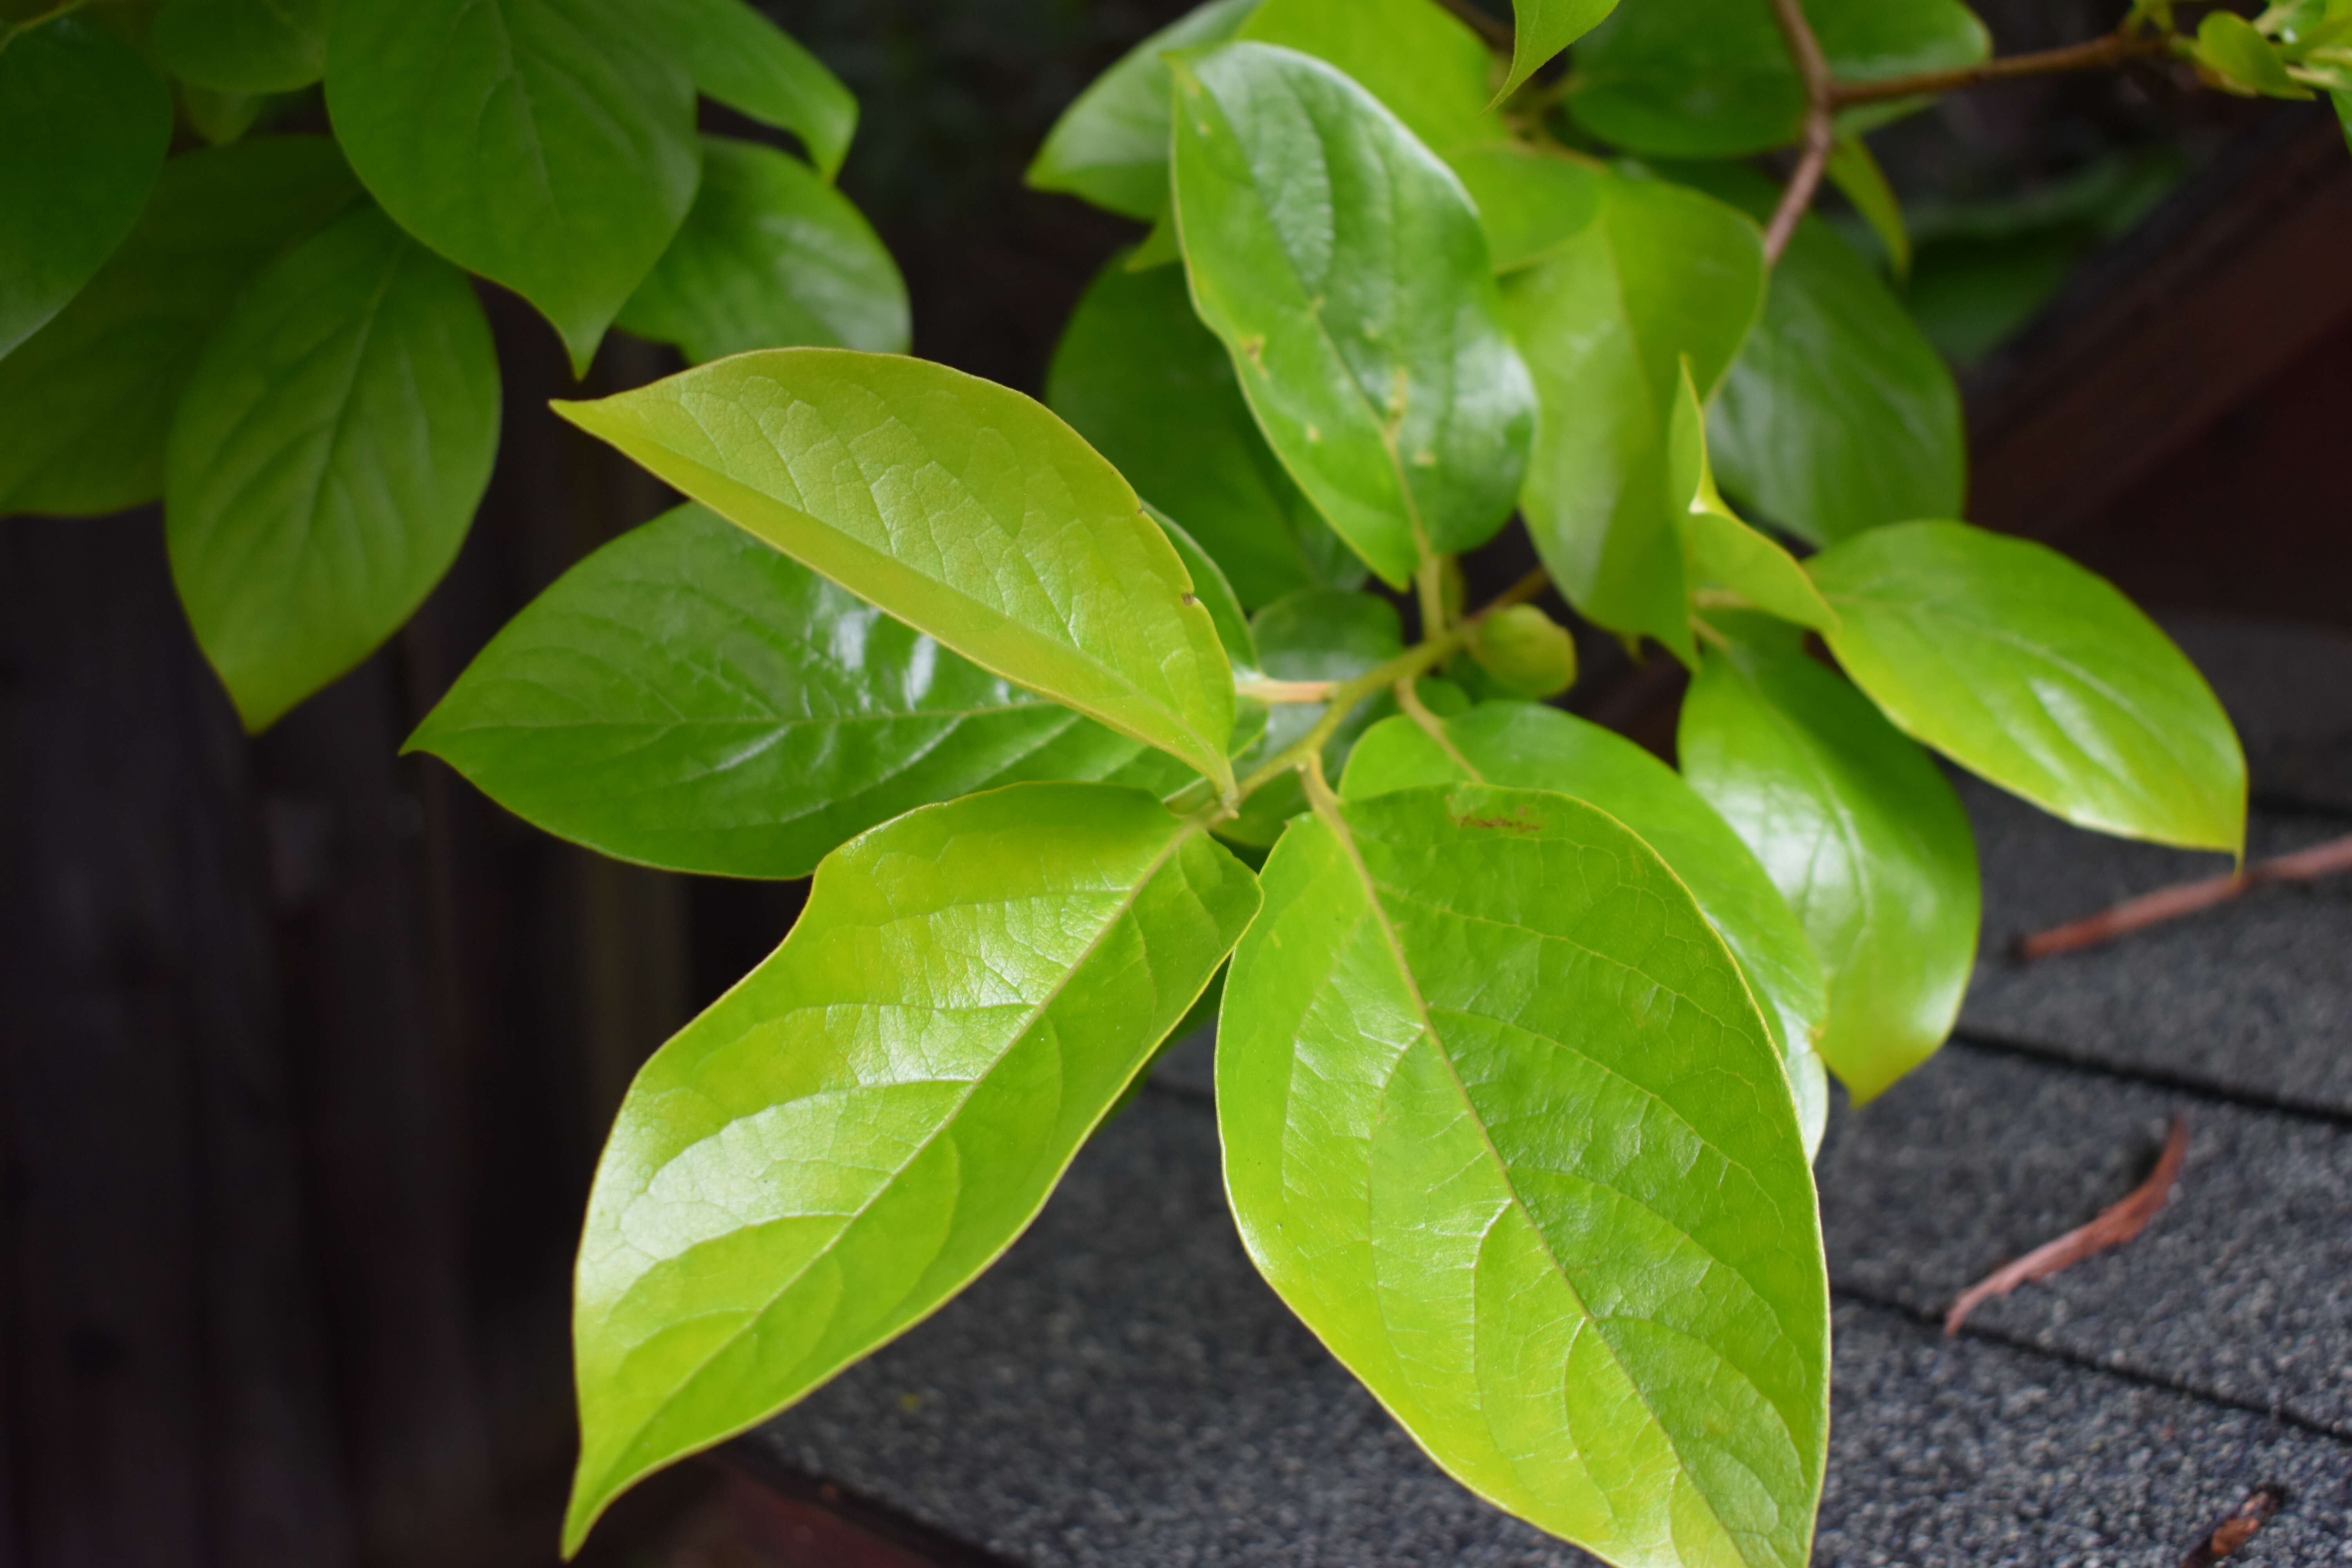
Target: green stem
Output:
{"points": [[9, 33], [1429, 582]]}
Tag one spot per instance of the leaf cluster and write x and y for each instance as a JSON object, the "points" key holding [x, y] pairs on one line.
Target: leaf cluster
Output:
{"points": [[275, 334]]}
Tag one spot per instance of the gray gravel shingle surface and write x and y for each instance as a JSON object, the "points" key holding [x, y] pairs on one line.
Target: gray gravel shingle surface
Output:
{"points": [[1122, 1388]]}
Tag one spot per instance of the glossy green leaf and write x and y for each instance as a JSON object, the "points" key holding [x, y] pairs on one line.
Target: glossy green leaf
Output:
{"points": [[959, 506], [1542, 29], [770, 256], [1531, 200], [327, 459], [748, 63], [1856, 172], [692, 698], [1662, 272], [86, 399], [1712, 79], [1418, 58], [1344, 269], [83, 125], [1502, 1123], [1110, 146], [2020, 666], [1320, 634], [1140, 377], [2230, 47], [1520, 745], [1216, 595], [1719, 551], [538, 142], [1839, 415], [863, 1123], [1863, 836], [243, 46]]}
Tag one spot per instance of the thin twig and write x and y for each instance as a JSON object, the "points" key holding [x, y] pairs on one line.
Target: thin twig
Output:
{"points": [[1491, 28], [2261, 1506], [1266, 689], [2187, 897], [2115, 1225], [1821, 124], [2099, 54]]}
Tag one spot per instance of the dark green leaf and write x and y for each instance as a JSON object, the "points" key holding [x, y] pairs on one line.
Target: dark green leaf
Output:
{"points": [[961, 507], [770, 256], [1839, 415], [1861, 835], [538, 142], [2020, 666], [1542, 29], [692, 698], [1110, 146], [862, 1125], [1138, 376], [1216, 595], [1503, 1125], [243, 46], [86, 399], [1712, 79], [1719, 551], [745, 61], [83, 125], [1662, 272], [220, 117], [1856, 172], [327, 459], [1523, 746], [1356, 302]]}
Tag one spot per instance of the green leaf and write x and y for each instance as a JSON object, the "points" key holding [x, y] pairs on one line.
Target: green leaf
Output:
{"points": [[1503, 1125], [1839, 415], [2020, 666], [327, 459], [1858, 177], [83, 125], [770, 256], [2343, 113], [861, 1126], [1357, 302], [1604, 322], [87, 399], [1542, 29], [538, 142], [1110, 146], [1712, 79], [1320, 634], [748, 63], [243, 46], [1138, 376], [1524, 651], [1861, 835], [1521, 745], [2228, 47], [1531, 200], [1721, 551], [220, 117], [1419, 60], [959, 506], [1216, 595], [691, 699]]}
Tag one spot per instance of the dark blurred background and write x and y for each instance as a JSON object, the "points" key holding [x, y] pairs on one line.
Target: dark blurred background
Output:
{"points": [[306, 1049]]}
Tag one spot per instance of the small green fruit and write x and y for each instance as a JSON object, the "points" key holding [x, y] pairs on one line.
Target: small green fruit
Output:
{"points": [[1525, 651]]}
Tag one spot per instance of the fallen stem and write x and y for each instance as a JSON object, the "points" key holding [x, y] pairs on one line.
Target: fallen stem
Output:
{"points": [[2116, 1225], [1820, 125], [2099, 54], [2261, 1506], [2187, 897]]}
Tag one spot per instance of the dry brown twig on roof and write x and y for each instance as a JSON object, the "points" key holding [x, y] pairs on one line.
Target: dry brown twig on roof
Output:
{"points": [[2261, 1506], [2187, 897], [2115, 1225]]}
